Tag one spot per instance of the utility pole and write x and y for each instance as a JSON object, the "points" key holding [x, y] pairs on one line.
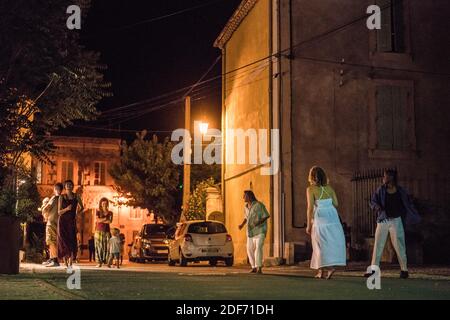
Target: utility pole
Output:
{"points": [[187, 156]]}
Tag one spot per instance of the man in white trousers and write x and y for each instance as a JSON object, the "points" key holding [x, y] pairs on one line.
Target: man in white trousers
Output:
{"points": [[392, 204], [256, 216]]}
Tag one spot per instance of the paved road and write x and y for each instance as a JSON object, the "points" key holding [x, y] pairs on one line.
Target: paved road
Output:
{"points": [[199, 281]]}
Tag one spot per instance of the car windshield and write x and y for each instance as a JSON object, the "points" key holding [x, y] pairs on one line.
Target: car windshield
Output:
{"points": [[207, 228], [156, 230]]}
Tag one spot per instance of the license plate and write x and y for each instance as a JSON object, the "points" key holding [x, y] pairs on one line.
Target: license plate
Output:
{"points": [[161, 251], [210, 250]]}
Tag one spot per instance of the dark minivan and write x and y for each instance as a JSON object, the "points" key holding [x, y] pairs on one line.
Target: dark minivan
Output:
{"points": [[150, 244]]}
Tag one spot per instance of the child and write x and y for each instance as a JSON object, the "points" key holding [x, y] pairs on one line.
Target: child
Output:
{"points": [[91, 245], [114, 244], [122, 247]]}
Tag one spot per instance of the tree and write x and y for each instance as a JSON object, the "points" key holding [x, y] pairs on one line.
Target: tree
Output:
{"points": [[147, 177], [47, 81], [197, 200], [47, 78], [202, 172]]}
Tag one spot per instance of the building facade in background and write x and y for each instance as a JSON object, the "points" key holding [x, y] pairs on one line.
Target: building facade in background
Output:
{"points": [[86, 162], [346, 98]]}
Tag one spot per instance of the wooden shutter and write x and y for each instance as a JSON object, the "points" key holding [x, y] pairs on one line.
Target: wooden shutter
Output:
{"points": [[384, 36], [398, 20], [400, 118], [102, 173], [64, 170], [384, 118], [70, 170]]}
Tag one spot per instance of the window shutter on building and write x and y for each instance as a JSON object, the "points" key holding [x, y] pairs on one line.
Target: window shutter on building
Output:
{"points": [[384, 118], [400, 118], [399, 26], [102, 173], [67, 170], [384, 35]]}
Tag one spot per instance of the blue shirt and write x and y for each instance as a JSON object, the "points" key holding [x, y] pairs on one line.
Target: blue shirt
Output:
{"points": [[378, 203]]}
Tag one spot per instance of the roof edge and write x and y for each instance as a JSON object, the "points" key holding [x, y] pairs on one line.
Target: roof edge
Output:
{"points": [[234, 22]]}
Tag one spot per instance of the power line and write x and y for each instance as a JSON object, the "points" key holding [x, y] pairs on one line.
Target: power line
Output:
{"points": [[201, 82], [202, 85], [370, 66], [203, 76], [119, 130], [154, 19]]}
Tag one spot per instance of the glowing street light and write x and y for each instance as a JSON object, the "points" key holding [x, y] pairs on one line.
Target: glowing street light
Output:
{"points": [[203, 127]]}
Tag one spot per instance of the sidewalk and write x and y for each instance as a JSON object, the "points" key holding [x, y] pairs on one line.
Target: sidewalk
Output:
{"points": [[357, 269], [353, 269]]}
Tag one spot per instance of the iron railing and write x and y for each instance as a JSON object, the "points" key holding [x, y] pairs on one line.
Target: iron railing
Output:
{"points": [[364, 184]]}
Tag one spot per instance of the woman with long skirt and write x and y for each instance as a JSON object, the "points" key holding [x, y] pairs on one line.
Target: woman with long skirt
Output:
{"points": [[324, 225], [102, 232], [67, 224]]}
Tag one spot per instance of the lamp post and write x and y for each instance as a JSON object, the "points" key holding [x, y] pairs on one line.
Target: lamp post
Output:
{"points": [[187, 154], [187, 157]]}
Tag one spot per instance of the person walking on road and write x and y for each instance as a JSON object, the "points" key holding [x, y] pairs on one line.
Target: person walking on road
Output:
{"points": [[324, 225], [256, 216]]}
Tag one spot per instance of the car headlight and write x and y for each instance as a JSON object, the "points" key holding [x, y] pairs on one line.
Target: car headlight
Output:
{"points": [[146, 243]]}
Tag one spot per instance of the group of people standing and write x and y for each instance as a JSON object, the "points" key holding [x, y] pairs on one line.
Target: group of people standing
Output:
{"points": [[390, 201], [60, 213]]}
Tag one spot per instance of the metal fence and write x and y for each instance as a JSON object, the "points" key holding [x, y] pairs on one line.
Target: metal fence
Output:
{"points": [[364, 184]]}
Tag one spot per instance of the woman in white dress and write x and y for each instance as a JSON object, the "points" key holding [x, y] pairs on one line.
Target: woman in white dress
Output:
{"points": [[324, 225]]}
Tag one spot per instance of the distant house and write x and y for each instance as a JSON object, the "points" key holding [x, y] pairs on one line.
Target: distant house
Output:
{"points": [[346, 98], [86, 161]]}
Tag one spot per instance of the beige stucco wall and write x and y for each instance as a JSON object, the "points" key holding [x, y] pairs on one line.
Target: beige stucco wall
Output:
{"points": [[246, 105], [85, 151]]}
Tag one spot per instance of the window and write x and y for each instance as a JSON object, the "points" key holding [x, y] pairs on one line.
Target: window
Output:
{"points": [[207, 228], [391, 130], [135, 213], [99, 173], [392, 118], [391, 36], [51, 174], [39, 172], [66, 170], [156, 229]]}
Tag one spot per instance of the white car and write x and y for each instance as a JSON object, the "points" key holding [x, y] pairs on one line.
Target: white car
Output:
{"points": [[201, 240]]}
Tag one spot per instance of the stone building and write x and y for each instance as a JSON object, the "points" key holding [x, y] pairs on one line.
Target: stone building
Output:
{"points": [[86, 161], [346, 98]]}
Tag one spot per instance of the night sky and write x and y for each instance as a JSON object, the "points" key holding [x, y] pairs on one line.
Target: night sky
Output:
{"points": [[153, 58]]}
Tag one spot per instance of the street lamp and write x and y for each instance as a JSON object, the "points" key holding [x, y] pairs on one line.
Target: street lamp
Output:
{"points": [[203, 128]]}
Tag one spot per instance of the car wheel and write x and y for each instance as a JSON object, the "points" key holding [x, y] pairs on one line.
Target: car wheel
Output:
{"points": [[229, 262], [183, 260], [213, 262], [141, 259], [170, 262]]}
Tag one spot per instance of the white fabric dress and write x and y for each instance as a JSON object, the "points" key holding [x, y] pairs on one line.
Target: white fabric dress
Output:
{"points": [[327, 235]]}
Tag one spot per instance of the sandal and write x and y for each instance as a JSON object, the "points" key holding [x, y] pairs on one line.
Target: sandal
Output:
{"points": [[319, 275], [330, 273]]}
